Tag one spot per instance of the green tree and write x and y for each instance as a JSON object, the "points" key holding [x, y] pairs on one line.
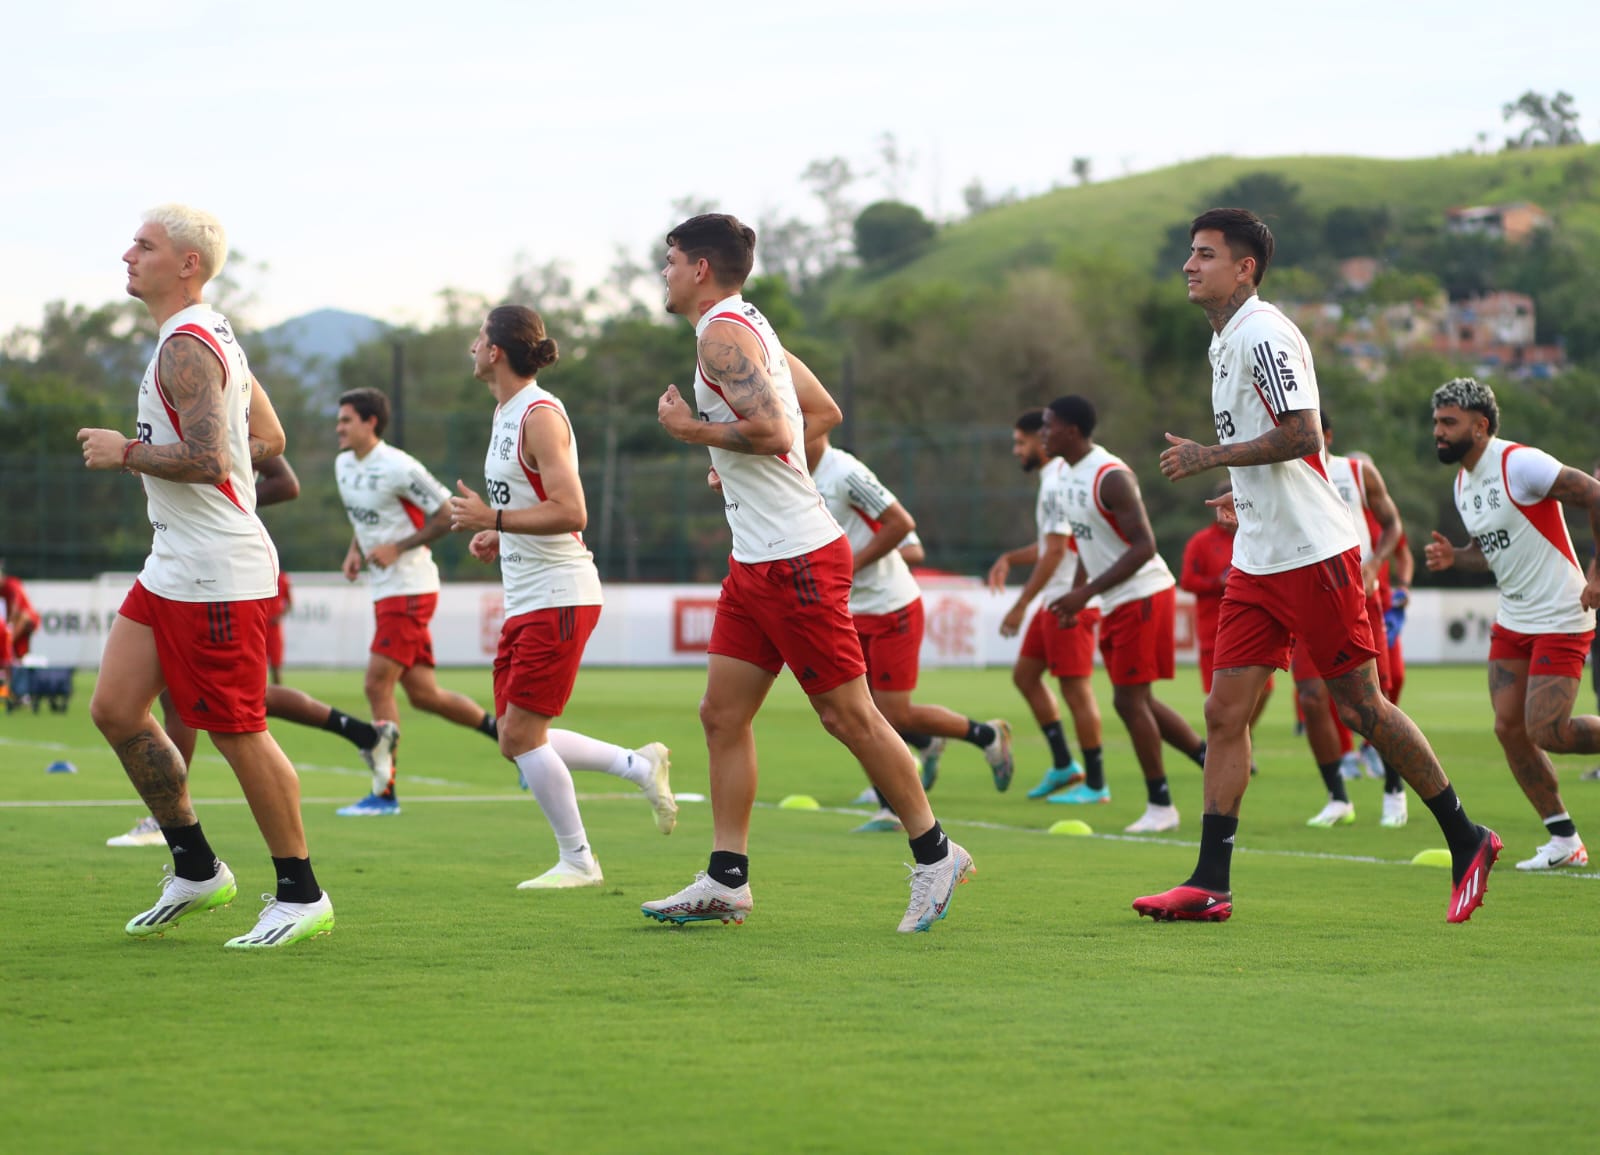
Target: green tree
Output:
{"points": [[1550, 121], [889, 232]]}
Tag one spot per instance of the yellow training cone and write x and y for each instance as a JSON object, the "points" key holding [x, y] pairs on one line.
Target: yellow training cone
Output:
{"points": [[1431, 858], [799, 802], [1071, 826]]}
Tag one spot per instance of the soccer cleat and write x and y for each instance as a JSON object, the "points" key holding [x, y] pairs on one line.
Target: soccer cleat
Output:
{"points": [[868, 797], [1154, 820], [1350, 766], [1335, 813], [286, 923], [565, 875], [702, 900], [1394, 811], [1082, 795], [930, 762], [1186, 904], [145, 832], [1371, 761], [180, 898], [1467, 895], [1057, 778], [1556, 853], [998, 754], [658, 790], [379, 757], [883, 822], [933, 886], [372, 806]]}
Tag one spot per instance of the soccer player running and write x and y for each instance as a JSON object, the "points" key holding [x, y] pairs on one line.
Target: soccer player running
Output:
{"points": [[1510, 498], [18, 621], [1065, 651], [195, 620], [1296, 570], [533, 523], [786, 599], [1138, 594], [396, 508], [886, 607]]}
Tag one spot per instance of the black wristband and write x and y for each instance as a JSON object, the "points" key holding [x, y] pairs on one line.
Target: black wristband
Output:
{"points": [[499, 517]]}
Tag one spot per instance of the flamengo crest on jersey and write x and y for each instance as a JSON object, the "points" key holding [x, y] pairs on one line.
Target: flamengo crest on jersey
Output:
{"points": [[540, 571], [1344, 474], [1100, 542], [773, 509], [857, 499], [1289, 515], [209, 545], [1526, 543], [389, 496]]}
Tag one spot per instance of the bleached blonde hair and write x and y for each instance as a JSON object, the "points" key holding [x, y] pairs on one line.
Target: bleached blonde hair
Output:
{"points": [[193, 230]]}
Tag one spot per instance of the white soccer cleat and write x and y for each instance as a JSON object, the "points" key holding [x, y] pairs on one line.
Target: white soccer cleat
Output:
{"points": [[180, 898], [658, 789], [868, 797], [1394, 811], [380, 756], [1154, 820], [566, 875], [286, 923], [1556, 853], [1371, 761], [145, 832], [1350, 766], [703, 900], [933, 886], [1333, 814]]}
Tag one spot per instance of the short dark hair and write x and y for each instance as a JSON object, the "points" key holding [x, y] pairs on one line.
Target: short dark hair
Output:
{"points": [[1327, 426], [1074, 410], [1247, 235], [368, 403], [1468, 394], [723, 241], [519, 332], [1031, 421]]}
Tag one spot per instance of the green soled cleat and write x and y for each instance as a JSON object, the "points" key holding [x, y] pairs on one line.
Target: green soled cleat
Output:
{"points": [[180, 898], [286, 923], [1058, 778]]}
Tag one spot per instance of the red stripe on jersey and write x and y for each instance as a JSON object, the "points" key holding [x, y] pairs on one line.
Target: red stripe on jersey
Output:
{"points": [[209, 338], [765, 356], [1545, 516], [210, 342], [527, 471], [227, 490], [1361, 485], [414, 512], [1094, 492], [1315, 461], [872, 523]]}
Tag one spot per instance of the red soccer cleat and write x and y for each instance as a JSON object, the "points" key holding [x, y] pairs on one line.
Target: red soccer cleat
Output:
{"points": [[1467, 895], [1186, 904]]}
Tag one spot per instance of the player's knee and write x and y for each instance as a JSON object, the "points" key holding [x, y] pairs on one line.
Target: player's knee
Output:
{"points": [[718, 720], [115, 718], [1312, 696], [1225, 718], [1025, 680]]}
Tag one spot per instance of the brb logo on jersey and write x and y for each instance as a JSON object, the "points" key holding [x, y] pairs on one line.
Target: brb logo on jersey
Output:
{"points": [[499, 492]]}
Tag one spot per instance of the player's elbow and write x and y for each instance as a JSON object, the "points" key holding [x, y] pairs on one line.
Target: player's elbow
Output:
{"points": [[772, 437]]}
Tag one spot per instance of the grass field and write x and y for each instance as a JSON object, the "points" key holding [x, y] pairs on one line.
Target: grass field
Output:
{"points": [[1337, 1011]]}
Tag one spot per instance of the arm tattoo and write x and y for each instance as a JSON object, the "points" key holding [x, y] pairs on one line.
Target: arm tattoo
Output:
{"points": [[159, 775], [258, 451], [746, 385], [193, 380]]}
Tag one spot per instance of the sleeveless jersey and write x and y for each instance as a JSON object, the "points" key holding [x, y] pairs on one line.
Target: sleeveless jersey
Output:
{"points": [[1100, 542], [856, 499], [1505, 506], [1289, 515], [540, 571], [1050, 516], [209, 545], [1344, 474], [773, 509], [389, 496]]}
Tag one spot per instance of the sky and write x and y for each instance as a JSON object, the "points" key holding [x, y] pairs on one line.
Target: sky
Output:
{"points": [[366, 156]]}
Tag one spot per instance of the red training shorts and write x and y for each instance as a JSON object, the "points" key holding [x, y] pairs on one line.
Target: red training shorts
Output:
{"points": [[537, 661], [402, 631], [213, 656], [274, 645], [1547, 655], [1068, 651], [891, 644], [1321, 604], [1136, 640], [1304, 669]]}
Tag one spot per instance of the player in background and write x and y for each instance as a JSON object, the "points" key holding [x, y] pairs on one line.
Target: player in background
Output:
{"points": [[281, 605], [886, 607], [1297, 571], [195, 620], [18, 620], [786, 599], [1067, 652], [1119, 565], [396, 508], [1510, 498], [1593, 774]]}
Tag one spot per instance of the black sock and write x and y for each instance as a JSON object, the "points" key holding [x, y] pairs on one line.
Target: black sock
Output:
{"points": [[1198, 755], [1156, 790], [917, 741], [1333, 780], [980, 734], [1216, 852], [1094, 774], [931, 847], [489, 726], [296, 883], [1561, 825], [192, 856], [1060, 752], [730, 869], [1392, 782], [1459, 830], [352, 729]]}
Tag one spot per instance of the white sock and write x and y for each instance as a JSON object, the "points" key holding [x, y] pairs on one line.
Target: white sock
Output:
{"points": [[581, 752], [551, 782]]}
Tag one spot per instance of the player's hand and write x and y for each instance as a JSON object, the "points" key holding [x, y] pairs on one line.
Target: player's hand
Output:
{"points": [[674, 413], [352, 564], [383, 556], [485, 546], [1439, 554], [102, 448], [714, 479], [1067, 607], [1227, 515], [1012, 622], [1369, 577], [1182, 458], [998, 573], [469, 513], [1591, 590]]}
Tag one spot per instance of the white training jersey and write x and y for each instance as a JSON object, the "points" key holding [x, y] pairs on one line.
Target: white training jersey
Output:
{"points": [[773, 509], [1289, 515], [1050, 516], [209, 545], [389, 496], [1506, 506], [1100, 541], [856, 499], [540, 571], [1344, 474]]}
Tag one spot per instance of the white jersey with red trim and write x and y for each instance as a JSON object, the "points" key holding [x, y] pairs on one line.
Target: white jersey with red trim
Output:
{"points": [[1289, 514], [209, 545], [1100, 541], [1344, 474], [856, 499], [773, 509], [540, 571], [1506, 506], [389, 496], [1050, 515]]}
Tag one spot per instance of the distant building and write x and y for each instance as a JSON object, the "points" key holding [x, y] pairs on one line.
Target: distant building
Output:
{"points": [[1497, 333], [1512, 223]]}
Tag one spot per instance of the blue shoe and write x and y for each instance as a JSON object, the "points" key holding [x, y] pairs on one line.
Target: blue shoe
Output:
{"points": [[372, 806], [930, 763], [1058, 779], [1082, 794], [883, 822]]}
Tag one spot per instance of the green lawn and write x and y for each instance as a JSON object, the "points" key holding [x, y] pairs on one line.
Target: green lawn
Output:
{"points": [[1336, 1011]]}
